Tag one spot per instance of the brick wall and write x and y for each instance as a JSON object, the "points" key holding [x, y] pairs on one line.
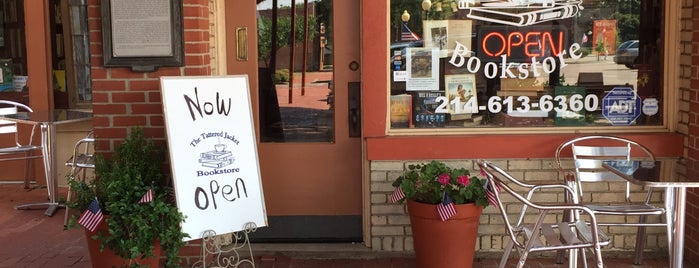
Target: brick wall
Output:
{"points": [[689, 115], [123, 99], [390, 224]]}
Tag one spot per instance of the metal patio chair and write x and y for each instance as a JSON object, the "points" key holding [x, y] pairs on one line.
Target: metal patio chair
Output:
{"points": [[564, 233], [587, 154], [23, 147], [82, 160]]}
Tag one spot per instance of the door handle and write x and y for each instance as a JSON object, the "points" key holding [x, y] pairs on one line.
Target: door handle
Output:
{"points": [[354, 110]]}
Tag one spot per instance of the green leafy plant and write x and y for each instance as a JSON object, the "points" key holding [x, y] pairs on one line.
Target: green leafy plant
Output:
{"points": [[135, 167], [427, 183]]}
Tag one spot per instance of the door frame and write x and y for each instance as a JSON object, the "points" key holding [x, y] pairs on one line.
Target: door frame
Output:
{"points": [[220, 49]]}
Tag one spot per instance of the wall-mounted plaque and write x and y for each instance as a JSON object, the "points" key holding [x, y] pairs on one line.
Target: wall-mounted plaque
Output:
{"points": [[143, 35]]}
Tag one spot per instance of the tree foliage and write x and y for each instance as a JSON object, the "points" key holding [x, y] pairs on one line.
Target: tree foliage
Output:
{"points": [[627, 16], [284, 39]]}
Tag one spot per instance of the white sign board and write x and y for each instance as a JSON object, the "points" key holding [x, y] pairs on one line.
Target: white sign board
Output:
{"points": [[213, 153]]}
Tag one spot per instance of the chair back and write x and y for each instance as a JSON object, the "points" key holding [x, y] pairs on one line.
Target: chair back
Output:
{"points": [[588, 153], [550, 229], [10, 107], [498, 189], [83, 153]]}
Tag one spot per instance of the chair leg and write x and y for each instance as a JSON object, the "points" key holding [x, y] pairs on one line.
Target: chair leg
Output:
{"points": [[506, 254], [75, 173], [67, 212], [640, 241], [27, 169], [523, 258], [598, 256]]}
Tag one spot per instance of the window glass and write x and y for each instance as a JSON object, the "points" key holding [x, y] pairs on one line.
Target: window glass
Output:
{"points": [[296, 71], [525, 63]]}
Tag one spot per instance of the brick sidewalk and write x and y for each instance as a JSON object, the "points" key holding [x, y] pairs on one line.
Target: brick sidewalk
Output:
{"points": [[30, 239]]}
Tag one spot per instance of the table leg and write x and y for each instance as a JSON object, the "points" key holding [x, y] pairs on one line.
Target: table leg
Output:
{"points": [[47, 143], [675, 208], [51, 180]]}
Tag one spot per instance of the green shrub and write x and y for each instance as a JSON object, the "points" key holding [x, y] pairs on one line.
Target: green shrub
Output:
{"points": [[281, 76]]}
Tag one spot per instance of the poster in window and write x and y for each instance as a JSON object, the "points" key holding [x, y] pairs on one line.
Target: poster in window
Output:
{"points": [[444, 35], [604, 35], [463, 88], [423, 69]]}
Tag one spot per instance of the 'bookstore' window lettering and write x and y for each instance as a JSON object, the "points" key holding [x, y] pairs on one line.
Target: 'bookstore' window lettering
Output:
{"points": [[517, 64]]}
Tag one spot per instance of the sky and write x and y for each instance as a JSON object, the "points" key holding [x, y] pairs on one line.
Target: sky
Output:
{"points": [[267, 4]]}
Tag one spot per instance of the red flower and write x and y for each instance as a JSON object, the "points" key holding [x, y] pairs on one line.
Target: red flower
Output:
{"points": [[444, 179], [463, 180]]}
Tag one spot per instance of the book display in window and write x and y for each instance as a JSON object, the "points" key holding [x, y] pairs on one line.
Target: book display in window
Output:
{"points": [[401, 110], [461, 95], [530, 86], [425, 105]]}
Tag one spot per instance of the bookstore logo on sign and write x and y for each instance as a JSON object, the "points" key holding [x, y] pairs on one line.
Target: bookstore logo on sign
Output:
{"points": [[217, 158]]}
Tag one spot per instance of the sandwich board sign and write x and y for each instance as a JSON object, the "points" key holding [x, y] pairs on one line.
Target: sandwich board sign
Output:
{"points": [[213, 153]]}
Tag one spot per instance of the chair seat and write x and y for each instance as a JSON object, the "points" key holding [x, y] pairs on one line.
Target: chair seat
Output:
{"points": [[627, 209], [574, 235], [82, 161], [19, 149]]}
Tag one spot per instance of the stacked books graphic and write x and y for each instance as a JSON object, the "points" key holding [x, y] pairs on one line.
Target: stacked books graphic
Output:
{"points": [[521, 12], [216, 159]]}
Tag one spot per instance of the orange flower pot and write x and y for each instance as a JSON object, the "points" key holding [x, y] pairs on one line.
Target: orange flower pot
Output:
{"points": [[444, 244], [108, 258]]}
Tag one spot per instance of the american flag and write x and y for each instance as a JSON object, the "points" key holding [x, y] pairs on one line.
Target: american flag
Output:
{"points": [[446, 208], [490, 193], [92, 216], [398, 194], [147, 197], [407, 35]]}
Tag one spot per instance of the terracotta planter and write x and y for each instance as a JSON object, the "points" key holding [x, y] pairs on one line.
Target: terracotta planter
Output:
{"points": [[108, 258], [444, 244]]}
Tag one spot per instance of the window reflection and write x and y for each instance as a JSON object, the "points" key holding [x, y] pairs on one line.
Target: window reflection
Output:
{"points": [[295, 74]]}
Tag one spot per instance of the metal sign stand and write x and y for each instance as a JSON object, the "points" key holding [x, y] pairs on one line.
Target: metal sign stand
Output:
{"points": [[219, 254]]}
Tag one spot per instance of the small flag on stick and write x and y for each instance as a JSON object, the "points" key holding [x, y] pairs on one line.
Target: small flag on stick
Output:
{"points": [[407, 35], [446, 208], [490, 193], [92, 216], [397, 195], [147, 197]]}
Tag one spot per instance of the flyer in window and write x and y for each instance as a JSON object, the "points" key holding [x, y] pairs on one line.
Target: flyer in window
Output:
{"points": [[463, 88], [423, 69], [445, 34]]}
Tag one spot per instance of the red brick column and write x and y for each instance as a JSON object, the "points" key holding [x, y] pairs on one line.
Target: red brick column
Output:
{"points": [[123, 99], [689, 115]]}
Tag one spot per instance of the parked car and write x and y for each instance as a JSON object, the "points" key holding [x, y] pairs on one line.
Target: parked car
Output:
{"points": [[626, 53]]}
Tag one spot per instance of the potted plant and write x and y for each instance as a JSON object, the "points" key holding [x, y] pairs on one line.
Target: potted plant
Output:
{"points": [[444, 205], [133, 194]]}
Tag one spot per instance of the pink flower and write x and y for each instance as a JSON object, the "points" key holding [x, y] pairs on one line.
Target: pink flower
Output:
{"points": [[444, 179], [463, 180]]}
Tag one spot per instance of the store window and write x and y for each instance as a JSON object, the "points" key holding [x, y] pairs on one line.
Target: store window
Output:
{"points": [[526, 63], [13, 59]]}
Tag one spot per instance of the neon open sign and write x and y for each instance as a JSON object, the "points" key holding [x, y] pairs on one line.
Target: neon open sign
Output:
{"points": [[520, 43]]}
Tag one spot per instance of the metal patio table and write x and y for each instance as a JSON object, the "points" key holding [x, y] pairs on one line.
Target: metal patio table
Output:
{"points": [[675, 176], [48, 120]]}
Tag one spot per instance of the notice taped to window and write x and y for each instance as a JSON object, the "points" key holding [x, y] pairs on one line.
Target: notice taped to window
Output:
{"points": [[213, 153]]}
